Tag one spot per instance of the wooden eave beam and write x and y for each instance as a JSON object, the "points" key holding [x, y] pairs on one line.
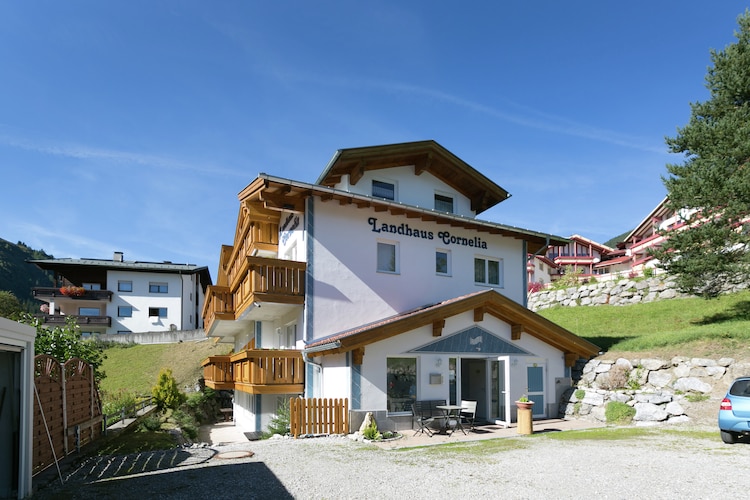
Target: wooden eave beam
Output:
{"points": [[358, 355], [571, 358], [515, 331], [357, 173], [437, 327], [283, 202], [478, 314], [423, 164]]}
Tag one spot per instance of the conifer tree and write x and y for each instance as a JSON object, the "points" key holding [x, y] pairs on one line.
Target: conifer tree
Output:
{"points": [[711, 187]]}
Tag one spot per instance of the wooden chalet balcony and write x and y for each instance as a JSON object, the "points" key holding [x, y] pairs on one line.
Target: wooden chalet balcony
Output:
{"points": [[257, 371], [262, 280], [59, 320]]}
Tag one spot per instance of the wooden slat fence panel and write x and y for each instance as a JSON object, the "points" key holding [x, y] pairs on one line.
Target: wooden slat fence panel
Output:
{"points": [[68, 402], [318, 416]]}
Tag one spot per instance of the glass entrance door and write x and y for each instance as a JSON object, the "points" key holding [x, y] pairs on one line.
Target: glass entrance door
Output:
{"points": [[535, 381], [499, 392]]}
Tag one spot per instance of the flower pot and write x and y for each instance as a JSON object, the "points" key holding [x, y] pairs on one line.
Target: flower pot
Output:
{"points": [[524, 405]]}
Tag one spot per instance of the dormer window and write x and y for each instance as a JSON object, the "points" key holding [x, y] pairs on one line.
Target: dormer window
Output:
{"points": [[382, 189], [443, 203]]}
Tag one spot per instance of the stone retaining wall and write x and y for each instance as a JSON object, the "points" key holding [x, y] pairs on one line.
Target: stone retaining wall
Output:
{"points": [[658, 389]]}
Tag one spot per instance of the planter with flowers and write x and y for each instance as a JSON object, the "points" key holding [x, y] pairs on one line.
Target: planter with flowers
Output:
{"points": [[523, 403], [73, 291]]}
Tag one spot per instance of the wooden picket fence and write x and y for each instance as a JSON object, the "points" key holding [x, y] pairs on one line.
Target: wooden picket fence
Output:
{"points": [[318, 416]]}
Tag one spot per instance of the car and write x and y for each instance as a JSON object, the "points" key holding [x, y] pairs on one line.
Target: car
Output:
{"points": [[734, 412]]}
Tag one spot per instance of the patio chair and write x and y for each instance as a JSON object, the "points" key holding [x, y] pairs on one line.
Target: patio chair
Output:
{"points": [[468, 413], [422, 415]]}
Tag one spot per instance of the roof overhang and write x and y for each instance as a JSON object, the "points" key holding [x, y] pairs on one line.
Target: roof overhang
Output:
{"points": [[424, 156], [489, 302]]}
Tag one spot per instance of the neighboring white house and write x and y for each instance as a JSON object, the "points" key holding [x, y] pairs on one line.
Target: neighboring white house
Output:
{"points": [[383, 277], [16, 410], [119, 296]]}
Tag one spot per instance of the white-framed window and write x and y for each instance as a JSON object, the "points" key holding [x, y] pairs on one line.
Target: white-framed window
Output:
{"points": [[157, 312], [488, 271], [444, 203], [383, 189], [158, 288], [387, 257], [92, 286], [89, 311], [288, 336], [443, 262], [124, 286], [122, 332], [124, 311]]}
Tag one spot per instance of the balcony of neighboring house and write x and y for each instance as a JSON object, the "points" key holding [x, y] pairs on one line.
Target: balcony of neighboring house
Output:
{"points": [[258, 289], [257, 371], [71, 293], [82, 320]]}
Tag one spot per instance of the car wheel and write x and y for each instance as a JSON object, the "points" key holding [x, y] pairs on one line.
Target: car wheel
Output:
{"points": [[728, 437]]}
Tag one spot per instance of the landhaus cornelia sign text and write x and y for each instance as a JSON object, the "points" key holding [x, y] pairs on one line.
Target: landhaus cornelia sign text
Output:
{"points": [[445, 236]]}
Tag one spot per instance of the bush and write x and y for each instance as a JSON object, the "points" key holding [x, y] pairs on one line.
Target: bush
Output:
{"points": [[617, 378], [150, 423], [166, 393], [535, 287], [113, 403], [186, 422], [618, 413], [280, 423], [371, 432]]}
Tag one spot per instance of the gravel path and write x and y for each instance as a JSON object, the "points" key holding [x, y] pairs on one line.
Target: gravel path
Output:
{"points": [[664, 465]]}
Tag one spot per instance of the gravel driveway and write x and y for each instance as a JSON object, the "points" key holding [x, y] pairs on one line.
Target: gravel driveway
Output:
{"points": [[664, 465]]}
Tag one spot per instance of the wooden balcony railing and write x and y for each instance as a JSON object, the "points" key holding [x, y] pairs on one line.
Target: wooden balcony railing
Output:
{"points": [[257, 371], [264, 280]]}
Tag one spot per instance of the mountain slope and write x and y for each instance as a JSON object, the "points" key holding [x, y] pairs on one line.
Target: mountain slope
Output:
{"points": [[19, 277]]}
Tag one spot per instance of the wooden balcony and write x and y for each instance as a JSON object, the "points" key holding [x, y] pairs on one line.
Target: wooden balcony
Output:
{"points": [[59, 320], [263, 281], [257, 371]]}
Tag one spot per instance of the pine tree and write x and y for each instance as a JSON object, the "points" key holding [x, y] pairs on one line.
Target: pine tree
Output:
{"points": [[714, 179]]}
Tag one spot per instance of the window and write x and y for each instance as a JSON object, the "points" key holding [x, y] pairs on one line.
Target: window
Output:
{"points": [[443, 262], [158, 288], [443, 203], [157, 312], [488, 271], [402, 383], [124, 286], [123, 331], [92, 286], [125, 311], [387, 258], [385, 190], [88, 311]]}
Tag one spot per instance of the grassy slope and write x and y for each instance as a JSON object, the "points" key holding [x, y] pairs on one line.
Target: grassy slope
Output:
{"points": [[136, 368], [686, 327]]}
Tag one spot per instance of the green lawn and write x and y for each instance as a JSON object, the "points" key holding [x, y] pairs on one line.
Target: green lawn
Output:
{"points": [[689, 327]]}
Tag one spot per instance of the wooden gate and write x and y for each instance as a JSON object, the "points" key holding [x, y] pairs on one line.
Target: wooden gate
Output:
{"points": [[67, 412], [318, 416]]}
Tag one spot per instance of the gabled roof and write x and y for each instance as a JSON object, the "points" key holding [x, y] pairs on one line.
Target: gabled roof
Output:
{"points": [[660, 211], [599, 246], [425, 156], [80, 270], [521, 319]]}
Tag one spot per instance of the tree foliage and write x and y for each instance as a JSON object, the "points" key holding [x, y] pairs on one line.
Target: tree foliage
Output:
{"points": [[166, 392], [714, 178], [65, 342], [10, 306]]}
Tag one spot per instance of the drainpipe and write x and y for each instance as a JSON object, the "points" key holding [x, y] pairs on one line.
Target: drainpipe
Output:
{"points": [[323, 347]]}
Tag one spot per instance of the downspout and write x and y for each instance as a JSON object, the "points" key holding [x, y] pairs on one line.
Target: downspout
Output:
{"points": [[526, 274]]}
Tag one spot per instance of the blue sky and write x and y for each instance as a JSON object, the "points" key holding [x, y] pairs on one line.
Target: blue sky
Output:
{"points": [[131, 126]]}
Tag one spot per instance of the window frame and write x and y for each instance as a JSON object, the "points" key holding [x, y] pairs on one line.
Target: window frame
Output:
{"points": [[445, 199], [393, 184], [156, 287], [486, 271], [158, 311], [395, 246], [120, 284], [448, 269], [122, 309]]}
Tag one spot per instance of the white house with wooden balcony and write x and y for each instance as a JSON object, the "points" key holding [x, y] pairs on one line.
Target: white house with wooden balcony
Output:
{"points": [[120, 297], [379, 284]]}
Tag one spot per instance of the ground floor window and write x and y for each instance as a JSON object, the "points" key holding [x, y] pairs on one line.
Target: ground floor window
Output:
{"points": [[402, 383]]}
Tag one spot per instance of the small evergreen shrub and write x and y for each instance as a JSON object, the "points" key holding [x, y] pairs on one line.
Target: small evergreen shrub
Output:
{"points": [[280, 423], [166, 394], [150, 423], [618, 413]]}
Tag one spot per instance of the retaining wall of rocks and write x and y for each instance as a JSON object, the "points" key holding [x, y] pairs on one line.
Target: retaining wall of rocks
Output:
{"points": [[661, 391]]}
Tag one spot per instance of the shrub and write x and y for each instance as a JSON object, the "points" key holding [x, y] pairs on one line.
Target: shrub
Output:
{"points": [[166, 393], [186, 422], [371, 432], [280, 422], [535, 287], [150, 423], [618, 413], [580, 394], [618, 377], [117, 401]]}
